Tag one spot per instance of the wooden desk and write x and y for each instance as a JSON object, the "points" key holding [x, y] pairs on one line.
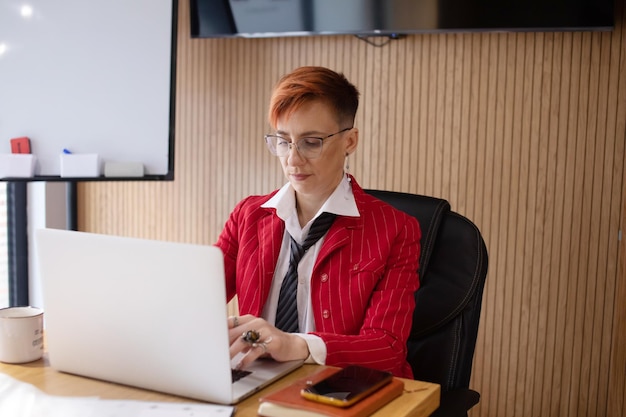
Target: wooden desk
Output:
{"points": [[420, 399]]}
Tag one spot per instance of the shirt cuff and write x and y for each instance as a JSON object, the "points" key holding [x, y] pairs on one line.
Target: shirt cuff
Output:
{"points": [[317, 348]]}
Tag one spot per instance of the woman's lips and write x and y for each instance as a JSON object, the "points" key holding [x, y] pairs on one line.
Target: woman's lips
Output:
{"points": [[299, 177]]}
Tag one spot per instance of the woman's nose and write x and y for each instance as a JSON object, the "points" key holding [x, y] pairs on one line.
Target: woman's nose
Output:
{"points": [[293, 155]]}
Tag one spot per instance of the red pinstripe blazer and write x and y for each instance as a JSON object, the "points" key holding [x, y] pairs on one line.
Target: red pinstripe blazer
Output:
{"points": [[363, 281]]}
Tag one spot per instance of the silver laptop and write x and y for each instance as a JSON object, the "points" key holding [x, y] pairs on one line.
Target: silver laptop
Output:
{"points": [[144, 313]]}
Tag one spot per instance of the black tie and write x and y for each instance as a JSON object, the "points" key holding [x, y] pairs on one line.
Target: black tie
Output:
{"points": [[287, 310]]}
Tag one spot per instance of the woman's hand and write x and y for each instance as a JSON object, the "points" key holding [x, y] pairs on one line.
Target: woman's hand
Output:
{"points": [[263, 339]]}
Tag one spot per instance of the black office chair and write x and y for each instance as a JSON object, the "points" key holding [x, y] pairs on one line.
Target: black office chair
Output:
{"points": [[452, 268]]}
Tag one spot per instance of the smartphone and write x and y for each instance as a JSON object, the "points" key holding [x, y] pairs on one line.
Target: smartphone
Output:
{"points": [[346, 387]]}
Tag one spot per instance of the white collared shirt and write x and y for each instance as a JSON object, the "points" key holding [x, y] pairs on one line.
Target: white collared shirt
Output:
{"points": [[341, 202]]}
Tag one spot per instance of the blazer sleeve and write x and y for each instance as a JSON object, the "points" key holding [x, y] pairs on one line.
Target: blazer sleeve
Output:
{"points": [[250, 242], [228, 242], [239, 242]]}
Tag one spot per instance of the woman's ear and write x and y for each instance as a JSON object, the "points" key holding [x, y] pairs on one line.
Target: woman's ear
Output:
{"points": [[352, 140]]}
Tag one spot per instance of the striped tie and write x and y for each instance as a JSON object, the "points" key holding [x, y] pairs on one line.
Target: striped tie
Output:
{"points": [[287, 310]]}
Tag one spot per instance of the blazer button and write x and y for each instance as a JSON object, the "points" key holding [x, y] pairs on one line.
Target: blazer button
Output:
{"points": [[324, 277], [355, 267], [326, 314]]}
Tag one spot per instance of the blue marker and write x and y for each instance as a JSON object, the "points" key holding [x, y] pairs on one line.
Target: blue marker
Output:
{"points": [[66, 151]]}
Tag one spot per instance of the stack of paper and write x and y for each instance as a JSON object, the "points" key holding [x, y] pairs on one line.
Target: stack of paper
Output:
{"points": [[18, 399]]}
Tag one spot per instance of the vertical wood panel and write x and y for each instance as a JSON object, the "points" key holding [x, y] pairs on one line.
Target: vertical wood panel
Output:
{"points": [[617, 320], [524, 133], [553, 225]]}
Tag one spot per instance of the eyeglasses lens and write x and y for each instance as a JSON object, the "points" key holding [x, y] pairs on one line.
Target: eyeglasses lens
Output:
{"points": [[307, 147]]}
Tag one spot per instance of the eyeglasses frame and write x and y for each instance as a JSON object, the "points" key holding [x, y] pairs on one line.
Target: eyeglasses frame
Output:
{"points": [[292, 144]]}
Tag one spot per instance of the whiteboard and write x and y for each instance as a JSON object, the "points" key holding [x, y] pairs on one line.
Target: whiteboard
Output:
{"points": [[92, 77]]}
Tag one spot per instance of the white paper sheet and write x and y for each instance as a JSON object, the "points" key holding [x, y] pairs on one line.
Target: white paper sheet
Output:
{"points": [[19, 399]]}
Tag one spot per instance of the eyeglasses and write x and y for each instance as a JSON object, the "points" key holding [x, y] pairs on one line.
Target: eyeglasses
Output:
{"points": [[308, 147]]}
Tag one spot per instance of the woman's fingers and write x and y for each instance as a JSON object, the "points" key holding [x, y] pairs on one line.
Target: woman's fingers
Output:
{"points": [[253, 337]]}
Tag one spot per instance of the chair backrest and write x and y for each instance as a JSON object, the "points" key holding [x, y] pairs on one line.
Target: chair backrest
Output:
{"points": [[453, 269], [429, 211]]}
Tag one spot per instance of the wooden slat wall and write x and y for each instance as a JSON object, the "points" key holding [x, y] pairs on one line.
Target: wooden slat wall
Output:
{"points": [[617, 381], [523, 133]]}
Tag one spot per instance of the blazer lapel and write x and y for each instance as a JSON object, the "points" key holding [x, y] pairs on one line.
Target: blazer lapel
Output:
{"points": [[344, 228], [270, 237], [338, 236]]}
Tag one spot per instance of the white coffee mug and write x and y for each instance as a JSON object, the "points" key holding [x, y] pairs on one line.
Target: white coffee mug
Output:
{"points": [[21, 334]]}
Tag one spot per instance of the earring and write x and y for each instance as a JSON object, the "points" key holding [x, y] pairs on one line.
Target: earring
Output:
{"points": [[347, 163]]}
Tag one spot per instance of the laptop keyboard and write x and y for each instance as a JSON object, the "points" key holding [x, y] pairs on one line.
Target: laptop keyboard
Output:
{"points": [[239, 373]]}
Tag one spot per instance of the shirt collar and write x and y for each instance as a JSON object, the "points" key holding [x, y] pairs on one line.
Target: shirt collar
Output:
{"points": [[341, 201]]}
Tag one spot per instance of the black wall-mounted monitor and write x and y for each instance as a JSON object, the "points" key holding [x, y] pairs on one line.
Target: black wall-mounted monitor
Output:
{"points": [[273, 18]]}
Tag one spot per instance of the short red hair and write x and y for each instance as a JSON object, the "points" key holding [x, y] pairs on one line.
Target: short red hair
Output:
{"points": [[306, 84]]}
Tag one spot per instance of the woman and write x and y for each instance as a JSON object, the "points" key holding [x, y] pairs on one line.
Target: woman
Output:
{"points": [[350, 298]]}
